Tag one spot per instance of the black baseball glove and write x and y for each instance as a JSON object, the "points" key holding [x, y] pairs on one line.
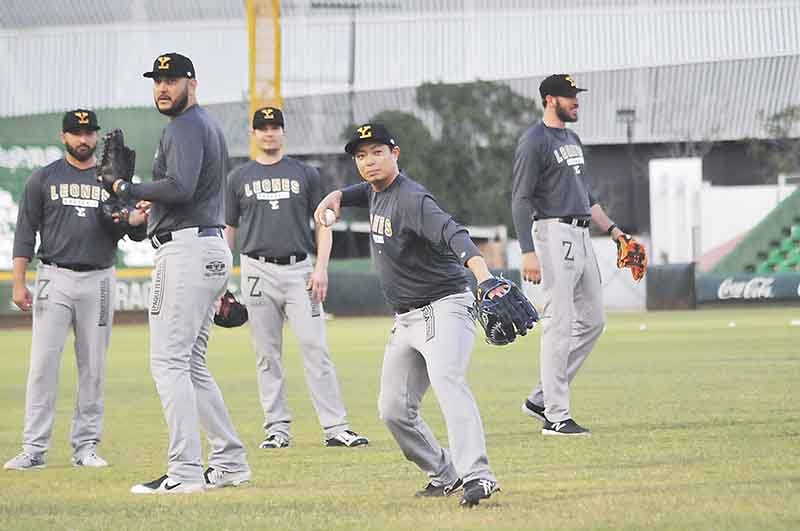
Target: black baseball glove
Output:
{"points": [[117, 162], [503, 311], [231, 312]]}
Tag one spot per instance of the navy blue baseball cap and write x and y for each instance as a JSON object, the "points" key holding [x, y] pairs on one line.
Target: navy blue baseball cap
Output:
{"points": [[376, 133], [172, 64], [79, 119], [267, 115], [559, 85]]}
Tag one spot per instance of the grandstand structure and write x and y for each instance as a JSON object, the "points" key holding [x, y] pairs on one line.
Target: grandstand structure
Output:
{"points": [[666, 77], [690, 69]]}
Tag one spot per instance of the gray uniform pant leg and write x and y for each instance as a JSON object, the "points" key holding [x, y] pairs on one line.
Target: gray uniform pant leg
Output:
{"points": [[84, 301], [52, 317], [432, 347], [187, 280], [275, 292], [93, 317], [573, 317]]}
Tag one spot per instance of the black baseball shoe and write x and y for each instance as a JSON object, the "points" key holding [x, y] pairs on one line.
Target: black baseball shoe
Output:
{"points": [[476, 490], [438, 491], [531, 409], [565, 428], [347, 438]]}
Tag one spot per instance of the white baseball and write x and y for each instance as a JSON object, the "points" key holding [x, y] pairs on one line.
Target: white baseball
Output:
{"points": [[330, 217]]}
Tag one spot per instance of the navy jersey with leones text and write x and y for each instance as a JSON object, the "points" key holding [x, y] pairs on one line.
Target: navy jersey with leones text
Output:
{"points": [[63, 203], [407, 227], [273, 205]]}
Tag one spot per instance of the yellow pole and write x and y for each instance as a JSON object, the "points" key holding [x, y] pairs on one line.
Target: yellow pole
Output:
{"points": [[263, 91]]}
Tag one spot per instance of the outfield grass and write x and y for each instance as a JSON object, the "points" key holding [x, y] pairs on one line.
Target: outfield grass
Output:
{"points": [[696, 425]]}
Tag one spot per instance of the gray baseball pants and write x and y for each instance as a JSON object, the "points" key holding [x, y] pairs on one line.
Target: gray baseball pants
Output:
{"points": [[190, 274], [274, 293], [431, 347], [572, 318], [82, 301]]}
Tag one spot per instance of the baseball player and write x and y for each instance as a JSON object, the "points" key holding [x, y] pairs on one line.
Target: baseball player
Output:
{"points": [[192, 264], [420, 254], [269, 202], [75, 286], [552, 206]]}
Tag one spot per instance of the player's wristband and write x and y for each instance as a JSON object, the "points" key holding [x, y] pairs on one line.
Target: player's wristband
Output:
{"points": [[611, 228]]}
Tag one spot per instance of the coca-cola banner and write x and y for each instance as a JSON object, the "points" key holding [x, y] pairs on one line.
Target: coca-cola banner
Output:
{"points": [[747, 287]]}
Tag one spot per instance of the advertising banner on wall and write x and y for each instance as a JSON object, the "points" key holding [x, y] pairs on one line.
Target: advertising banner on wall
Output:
{"points": [[738, 288]]}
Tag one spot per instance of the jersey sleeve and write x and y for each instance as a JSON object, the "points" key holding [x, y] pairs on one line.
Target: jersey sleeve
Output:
{"points": [[588, 180], [232, 206], [355, 195], [438, 227], [315, 186], [525, 173], [29, 217], [184, 147]]}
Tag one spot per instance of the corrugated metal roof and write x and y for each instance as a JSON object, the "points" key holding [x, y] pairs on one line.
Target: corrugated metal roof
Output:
{"points": [[16, 14], [49, 68], [699, 102]]}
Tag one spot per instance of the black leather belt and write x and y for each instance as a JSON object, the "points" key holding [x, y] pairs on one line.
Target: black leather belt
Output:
{"points": [[280, 260], [572, 220], [79, 268], [399, 310], [202, 232]]}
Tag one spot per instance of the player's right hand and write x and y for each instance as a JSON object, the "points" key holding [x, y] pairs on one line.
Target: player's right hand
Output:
{"points": [[531, 269], [332, 201], [21, 296]]}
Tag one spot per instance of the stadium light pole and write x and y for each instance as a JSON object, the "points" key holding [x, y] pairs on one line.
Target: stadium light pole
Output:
{"points": [[351, 6], [627, 115]]}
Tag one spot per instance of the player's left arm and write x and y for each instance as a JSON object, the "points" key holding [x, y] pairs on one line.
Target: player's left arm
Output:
{"points": [[318, 282], [601, 219]]}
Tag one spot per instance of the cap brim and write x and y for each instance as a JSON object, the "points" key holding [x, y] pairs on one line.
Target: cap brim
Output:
{"points": [[351, 146], [153, 75], [82, 128]]}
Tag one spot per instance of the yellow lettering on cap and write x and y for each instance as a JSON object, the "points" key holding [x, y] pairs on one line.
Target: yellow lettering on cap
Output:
{"points": [[569, 80], [269, 113], [163, 62], [365, 131], [83, 117]]}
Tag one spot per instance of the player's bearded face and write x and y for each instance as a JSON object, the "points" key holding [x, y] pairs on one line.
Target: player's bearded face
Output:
{"points": [[171, 95], [81, 145], [567, 109]]}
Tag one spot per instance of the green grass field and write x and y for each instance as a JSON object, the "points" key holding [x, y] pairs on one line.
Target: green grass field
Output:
{"points": [[696, 425]]}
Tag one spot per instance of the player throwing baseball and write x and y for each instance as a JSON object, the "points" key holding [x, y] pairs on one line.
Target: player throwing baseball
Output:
{"points": [[420, 253]]}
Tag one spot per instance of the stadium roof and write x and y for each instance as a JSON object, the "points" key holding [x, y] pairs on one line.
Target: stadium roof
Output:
{"points": [[715, 101]]}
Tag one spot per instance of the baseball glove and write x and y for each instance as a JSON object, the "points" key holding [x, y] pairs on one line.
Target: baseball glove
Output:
{"points": [[632, 254], [231, 312], [117, 162], [503, 311]]}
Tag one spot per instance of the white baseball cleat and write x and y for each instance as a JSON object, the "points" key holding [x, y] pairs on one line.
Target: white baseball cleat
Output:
{"points": [[90, 460], [347, 438], [164, 485], [217, 479], [25, 461]]}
